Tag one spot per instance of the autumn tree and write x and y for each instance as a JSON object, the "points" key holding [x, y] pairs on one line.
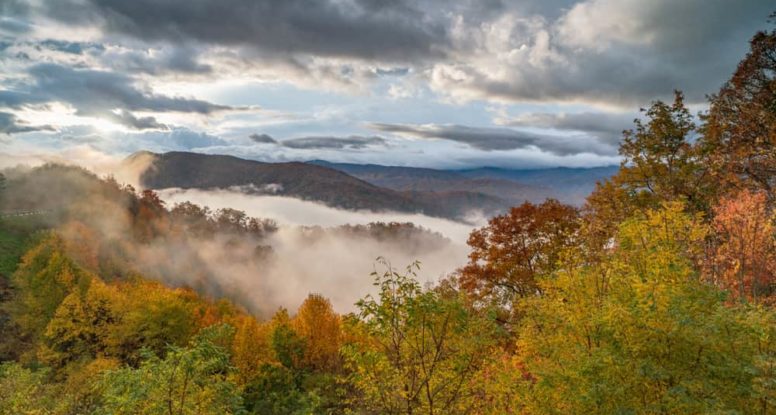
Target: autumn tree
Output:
{"points": [[45, 276], [413, 351], [149, 215], [319, 327], [150, 317], [745, 256], [80, 326], [513, 250], [650, 338], [739, 131], [251, 347], [278, 386]]}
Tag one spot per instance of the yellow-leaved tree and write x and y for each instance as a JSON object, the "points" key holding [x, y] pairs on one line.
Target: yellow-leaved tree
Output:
{"points": [[639, 333]]}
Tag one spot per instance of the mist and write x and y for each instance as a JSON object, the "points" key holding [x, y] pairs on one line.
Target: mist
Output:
{"points": [[335, 264], [295, 248]]}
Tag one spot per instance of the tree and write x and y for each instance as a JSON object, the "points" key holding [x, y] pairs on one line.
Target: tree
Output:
{"points": [[187, 381], [251, 348], [319, 327], [150, 317], [80, 326], [513, 250], [45, 276], [660, 163], [739, 131], [24, 391], [745, 256], [278, 388], [651, 337], [3, 186], [413, 351]]}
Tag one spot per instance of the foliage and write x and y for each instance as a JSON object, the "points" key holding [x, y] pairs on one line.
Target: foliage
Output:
{"points": [[510, 254], [744, 259], [643, 335], [191, 380], [414, 351], [45, 276], [657, 298], [319, 328], [24, 391], [739, 133]]}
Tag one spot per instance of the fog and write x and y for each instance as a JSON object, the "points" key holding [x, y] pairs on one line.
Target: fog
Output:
{"points": [[308, 252], [292, 211], [334, 264]]}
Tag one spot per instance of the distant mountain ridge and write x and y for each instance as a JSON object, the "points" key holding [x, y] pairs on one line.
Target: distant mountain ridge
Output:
{"points": [[569, 185], [304, 181], [441, 193]]}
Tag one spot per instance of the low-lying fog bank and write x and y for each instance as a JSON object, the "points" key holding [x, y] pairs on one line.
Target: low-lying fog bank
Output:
{"points": [[334, 264]]}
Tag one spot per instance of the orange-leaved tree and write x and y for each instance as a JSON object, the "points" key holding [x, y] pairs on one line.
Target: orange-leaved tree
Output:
{"points": [[513, 250], [745, 256]]}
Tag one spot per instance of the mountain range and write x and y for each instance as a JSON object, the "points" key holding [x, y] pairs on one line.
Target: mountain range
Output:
{"points": [[443, 193]]}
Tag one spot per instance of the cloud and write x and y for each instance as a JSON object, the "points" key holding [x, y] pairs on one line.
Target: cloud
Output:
{"points": [[606, 126], [351, 142], [177, 59], [94, 91], [363, 29], [175, 139], [110, 95], [613, 52], [262, 138], [73, 48], [320, 142], [13, 16], [10, 124], [128, 119], [490, 139]]}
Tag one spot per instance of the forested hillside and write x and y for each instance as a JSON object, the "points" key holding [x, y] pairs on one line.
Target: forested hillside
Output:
{"points": [[312, 182], [656, 297]]}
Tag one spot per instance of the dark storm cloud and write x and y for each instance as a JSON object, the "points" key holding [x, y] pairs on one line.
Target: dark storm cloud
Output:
{"points": [[10, 124], [623, 52], [493, 139], [351, 142], [169, 59], [367, 29], [262, 138]]}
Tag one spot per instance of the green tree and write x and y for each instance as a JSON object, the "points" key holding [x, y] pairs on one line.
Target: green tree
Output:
{"points": [[25, 392], [191, 380], [660, 163], [414, 351]]}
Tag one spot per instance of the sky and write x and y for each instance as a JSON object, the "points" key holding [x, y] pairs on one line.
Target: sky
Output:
{"points": [[427, 83]]}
